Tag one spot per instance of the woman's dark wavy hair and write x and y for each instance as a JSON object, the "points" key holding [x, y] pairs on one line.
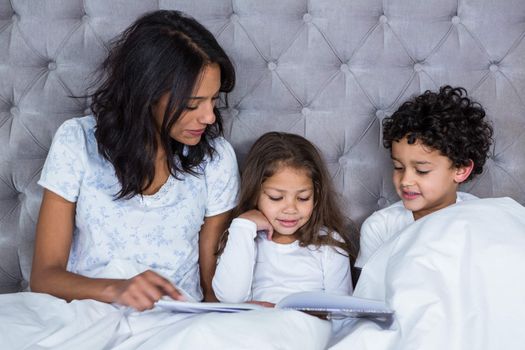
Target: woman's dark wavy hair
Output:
{"points": [[275, 150], [447, 121], [161, 52]]}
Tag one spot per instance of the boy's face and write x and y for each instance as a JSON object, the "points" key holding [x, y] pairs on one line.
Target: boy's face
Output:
{"points": [[425, 180]]}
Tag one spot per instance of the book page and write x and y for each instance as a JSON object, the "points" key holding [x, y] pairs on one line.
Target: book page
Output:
{"points": [[339, 306], [198, 307]]}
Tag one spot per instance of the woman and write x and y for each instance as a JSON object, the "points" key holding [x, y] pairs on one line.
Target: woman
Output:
{"points": [[127, 190]]}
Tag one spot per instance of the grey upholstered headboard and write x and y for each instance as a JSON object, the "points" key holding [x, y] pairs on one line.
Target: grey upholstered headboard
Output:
{"points": [[330, 70]]}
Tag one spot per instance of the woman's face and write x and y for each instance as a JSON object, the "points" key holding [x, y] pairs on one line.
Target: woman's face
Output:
{"points": [[192, 123]]}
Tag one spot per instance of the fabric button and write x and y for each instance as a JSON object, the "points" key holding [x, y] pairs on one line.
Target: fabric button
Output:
{"points": [[307, 17], [382, 202], [418, 67], [51, 65], [455, 20], [272, 65], [383, 19], [14, 17], [343, 161], [14, 110], [234, 17], [87, 111], [380, 114], [494, 68], [344, 68], [85, 18], [305, 111], [234, 112]]}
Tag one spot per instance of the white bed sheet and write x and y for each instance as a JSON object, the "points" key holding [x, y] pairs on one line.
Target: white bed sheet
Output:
{"points": [[455, 279], [40, 321]]}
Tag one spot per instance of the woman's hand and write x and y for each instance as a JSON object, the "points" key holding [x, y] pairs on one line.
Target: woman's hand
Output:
{"points": [[143, 291], [260, 220]]}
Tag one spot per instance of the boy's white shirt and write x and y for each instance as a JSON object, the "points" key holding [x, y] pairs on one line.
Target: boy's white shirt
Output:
{"points": [[255, 268], [383, 224]]}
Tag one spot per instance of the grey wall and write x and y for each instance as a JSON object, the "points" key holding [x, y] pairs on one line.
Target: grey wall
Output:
{"points": [[330, 70]]}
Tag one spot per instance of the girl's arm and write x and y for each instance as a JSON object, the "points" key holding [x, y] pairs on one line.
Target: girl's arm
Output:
{"points": [[208, 241], [233, 278], [336, 271], [49, 275]]}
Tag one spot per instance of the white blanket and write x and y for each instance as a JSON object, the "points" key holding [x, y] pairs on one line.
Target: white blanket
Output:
{"points": [[40, 321], [456, 280]]}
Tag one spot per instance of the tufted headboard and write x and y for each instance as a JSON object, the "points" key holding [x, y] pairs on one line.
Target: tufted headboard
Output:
{"points": [[330, 70]]}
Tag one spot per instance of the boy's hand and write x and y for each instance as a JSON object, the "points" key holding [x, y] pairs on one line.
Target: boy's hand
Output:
{"points": [[262, 303], [144, 290], [260, 220]]}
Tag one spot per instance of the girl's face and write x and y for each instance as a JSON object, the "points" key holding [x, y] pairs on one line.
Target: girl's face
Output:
{"points": [[287, 201], [192, 123]]}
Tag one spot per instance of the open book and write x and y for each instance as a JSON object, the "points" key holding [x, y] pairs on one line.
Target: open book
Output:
{"points": [[320, 304]]}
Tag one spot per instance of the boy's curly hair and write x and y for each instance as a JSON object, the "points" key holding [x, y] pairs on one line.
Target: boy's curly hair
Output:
{"points": [[447, 121]]}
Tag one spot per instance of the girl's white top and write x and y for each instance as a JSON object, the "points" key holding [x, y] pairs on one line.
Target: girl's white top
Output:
{"points": [[255, 268]]}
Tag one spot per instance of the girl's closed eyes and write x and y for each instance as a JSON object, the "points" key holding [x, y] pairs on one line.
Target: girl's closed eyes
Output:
{"points": [[279, 197]]}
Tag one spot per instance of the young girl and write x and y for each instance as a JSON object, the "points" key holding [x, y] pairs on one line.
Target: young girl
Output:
{"points": [[289, 234]]}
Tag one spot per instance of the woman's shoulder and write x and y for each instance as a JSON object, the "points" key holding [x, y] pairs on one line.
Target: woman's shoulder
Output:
{"points": [[76, 127], [84, 122], [78, 135], [221, 145], [223, 153]]}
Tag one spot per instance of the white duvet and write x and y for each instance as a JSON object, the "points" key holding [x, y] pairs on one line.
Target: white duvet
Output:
{"points": [[40, 321], [455, 279], [45, 322]]}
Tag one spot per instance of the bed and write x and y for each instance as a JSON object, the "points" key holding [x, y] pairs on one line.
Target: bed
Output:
{"points": [[329, 70]]}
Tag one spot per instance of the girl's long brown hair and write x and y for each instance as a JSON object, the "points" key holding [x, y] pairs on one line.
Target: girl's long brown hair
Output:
{"points": [[270, 153]]}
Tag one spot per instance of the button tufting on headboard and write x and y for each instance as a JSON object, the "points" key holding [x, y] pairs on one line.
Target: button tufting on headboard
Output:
{"points": [[330, 70]]}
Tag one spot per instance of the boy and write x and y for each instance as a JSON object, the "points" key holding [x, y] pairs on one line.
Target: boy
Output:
{"points": [[437, 141]]}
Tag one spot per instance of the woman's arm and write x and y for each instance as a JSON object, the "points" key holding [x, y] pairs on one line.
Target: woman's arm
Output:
{"points": [[209, 235], [222, 182], [49, 275]]}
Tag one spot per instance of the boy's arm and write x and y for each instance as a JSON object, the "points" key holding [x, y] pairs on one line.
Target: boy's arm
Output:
{"points": [[233, 278], [370, 238]]}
